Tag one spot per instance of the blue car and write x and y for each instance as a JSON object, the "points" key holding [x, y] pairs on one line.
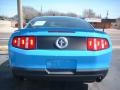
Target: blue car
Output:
{"points": [[60, 48]]}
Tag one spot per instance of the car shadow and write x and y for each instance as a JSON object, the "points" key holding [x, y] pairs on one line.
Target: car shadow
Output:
{"points": [[51, 85], [7, 82]]}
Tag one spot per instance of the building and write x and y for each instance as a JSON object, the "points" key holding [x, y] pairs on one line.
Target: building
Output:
{"points": [[101, 23]]}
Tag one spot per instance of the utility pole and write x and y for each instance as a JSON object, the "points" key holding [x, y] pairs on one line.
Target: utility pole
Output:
{"points": [[107, 14], [20, 14]]}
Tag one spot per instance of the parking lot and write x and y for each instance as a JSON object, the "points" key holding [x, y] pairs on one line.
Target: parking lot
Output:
{"points": [[111, 82]]}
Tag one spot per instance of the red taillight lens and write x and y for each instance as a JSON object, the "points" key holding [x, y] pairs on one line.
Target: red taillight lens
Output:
{"points": [[24, 42], [31, 42], [95, 44], [15, 41]]}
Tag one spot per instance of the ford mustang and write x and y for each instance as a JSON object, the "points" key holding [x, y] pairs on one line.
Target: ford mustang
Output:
{"points": [[60, 48]]}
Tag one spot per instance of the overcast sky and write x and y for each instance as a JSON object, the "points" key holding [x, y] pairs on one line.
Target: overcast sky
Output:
{"points": [[9, 8]]}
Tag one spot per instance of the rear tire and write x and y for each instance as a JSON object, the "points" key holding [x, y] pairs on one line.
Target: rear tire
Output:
{"points": [[17, 78]]}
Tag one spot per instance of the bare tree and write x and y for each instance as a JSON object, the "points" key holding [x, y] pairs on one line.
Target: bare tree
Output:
{"points": [[52, 13], [29, 12], [72, 14], [56, 13], [89, 13]]}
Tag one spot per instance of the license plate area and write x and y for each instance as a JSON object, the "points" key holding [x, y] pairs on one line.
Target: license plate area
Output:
{"points": [[61, 67]]}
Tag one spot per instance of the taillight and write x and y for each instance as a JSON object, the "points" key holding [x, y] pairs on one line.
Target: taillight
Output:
{"points": [[24, 42], [96, 44]]}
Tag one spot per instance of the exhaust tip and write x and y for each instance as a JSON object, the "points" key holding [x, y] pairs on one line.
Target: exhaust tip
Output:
{"points": [[99, 78]]}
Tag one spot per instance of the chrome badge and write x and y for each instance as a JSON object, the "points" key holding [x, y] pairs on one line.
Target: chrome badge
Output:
{"points": [[62, 42]]}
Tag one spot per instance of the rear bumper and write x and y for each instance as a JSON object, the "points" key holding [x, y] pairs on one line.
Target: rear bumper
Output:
{"points": [[36, 59], [84, 76]]}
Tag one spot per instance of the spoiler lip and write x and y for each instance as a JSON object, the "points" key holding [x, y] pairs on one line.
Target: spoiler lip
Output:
{"points": [[61, 31], [58, 30]]}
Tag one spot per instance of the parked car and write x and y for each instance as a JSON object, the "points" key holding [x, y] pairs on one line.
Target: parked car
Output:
{"points": [[16, 24], [60, 48]]}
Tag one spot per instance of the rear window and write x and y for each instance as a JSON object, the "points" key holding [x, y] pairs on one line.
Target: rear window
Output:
{"points": [[59, 22]]}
